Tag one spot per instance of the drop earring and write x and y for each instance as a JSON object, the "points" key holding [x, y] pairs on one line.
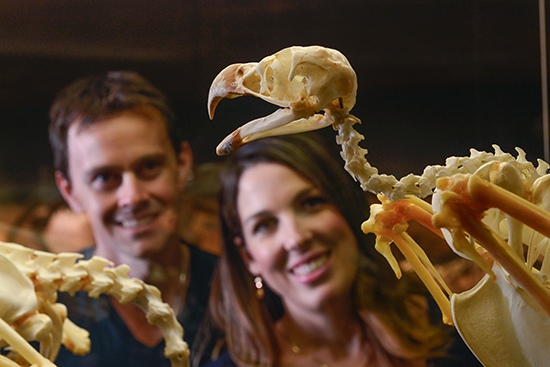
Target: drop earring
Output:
{"points": [[258, 283]]}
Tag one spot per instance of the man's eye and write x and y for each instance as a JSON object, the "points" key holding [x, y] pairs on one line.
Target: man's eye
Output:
{"points": [[150, 168], [105, 181]]}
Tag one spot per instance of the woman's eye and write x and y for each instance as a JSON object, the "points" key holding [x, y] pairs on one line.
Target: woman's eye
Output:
{"points": [[263, 226], [314, 202]]}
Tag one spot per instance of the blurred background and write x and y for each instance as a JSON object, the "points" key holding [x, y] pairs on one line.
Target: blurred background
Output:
{"points": [[436, 77]]}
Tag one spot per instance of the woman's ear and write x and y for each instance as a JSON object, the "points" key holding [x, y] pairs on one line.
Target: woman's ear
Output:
{"points": [[245, 255]]}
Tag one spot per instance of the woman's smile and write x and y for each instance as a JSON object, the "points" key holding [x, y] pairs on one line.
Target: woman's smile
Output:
{"points": [[312, 270]]}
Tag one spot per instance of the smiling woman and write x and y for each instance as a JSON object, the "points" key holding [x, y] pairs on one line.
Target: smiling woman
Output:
{"points": [[298, 283]]}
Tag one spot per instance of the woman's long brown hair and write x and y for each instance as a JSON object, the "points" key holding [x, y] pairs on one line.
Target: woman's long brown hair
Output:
{"points": [[394, 331]]}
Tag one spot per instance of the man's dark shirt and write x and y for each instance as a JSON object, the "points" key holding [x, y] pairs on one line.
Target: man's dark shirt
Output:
{"points": [[113, 345]]}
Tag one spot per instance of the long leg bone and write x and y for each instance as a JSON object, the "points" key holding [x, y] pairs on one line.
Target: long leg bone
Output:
{"points": [[540, 196], [509, 177], [22, 346], [466, 196]]}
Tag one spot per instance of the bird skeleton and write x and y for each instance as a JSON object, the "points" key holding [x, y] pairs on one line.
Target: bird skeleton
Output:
{"points": [[29, 312], [491, 208]]}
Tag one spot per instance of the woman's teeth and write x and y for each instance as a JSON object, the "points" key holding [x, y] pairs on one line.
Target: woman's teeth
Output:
{"points": [[309, 267]]}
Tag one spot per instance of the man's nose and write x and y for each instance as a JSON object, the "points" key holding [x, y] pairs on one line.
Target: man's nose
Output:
{"points": [[131, 190]]}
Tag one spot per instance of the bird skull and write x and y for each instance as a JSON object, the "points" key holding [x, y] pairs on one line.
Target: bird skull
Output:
{"points": [[301, 80]]}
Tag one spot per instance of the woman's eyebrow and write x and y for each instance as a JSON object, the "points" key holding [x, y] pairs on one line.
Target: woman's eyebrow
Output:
{"points": [[255, 216]]}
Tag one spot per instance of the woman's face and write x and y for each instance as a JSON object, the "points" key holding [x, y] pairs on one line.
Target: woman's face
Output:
{"points": [[299, 243]]}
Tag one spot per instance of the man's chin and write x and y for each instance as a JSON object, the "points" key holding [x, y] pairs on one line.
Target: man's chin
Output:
{"points": [[148, 248]]}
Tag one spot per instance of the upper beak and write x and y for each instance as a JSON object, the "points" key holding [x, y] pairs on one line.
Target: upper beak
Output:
{"points": [[225, 85]]}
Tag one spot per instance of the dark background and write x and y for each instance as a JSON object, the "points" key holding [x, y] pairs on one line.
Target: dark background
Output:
{"points": [[436, 77]]}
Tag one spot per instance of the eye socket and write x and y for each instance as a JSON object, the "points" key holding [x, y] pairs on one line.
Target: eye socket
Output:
{"points": [[103, 181], [150, 168], [269, 79], [314, 202], [264, 225]]}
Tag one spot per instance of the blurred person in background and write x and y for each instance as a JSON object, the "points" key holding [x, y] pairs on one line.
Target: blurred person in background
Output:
{"points": [[200, 219], [50, 226]]}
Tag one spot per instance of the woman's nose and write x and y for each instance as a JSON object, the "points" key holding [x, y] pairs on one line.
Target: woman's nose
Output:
{"points": [[295, 233]]}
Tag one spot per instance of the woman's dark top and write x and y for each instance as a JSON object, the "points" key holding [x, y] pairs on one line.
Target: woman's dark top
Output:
{"points": [[458, 354]]}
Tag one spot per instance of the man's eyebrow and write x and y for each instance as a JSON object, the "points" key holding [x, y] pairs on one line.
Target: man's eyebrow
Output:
{"points": [[157, 157]]}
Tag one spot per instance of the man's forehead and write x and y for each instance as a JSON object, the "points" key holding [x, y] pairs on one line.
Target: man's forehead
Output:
{"points": [[149, 117], [118, 137], [84, 120]]}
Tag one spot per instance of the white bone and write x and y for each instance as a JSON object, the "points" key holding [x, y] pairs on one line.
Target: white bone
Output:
{"points": [[43, 320], [75, 338], [302, 80], [482, 316], [15, 283]]}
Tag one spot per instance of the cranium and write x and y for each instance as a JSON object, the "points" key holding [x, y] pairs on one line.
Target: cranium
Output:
{"points": [[302, 80]]}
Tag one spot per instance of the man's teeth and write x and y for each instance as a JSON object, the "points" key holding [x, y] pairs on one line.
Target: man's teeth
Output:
{"points": [[132, 223], [310, 266]]}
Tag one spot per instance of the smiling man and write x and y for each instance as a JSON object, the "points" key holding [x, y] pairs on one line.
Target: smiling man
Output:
{"points": [[117, 161]]}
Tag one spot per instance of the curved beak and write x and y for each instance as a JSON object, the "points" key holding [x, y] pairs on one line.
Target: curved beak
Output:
{"points": [[227, 84]]}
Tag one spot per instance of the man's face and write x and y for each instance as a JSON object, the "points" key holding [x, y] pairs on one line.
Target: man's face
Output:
{"points": [[124, 174]]}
